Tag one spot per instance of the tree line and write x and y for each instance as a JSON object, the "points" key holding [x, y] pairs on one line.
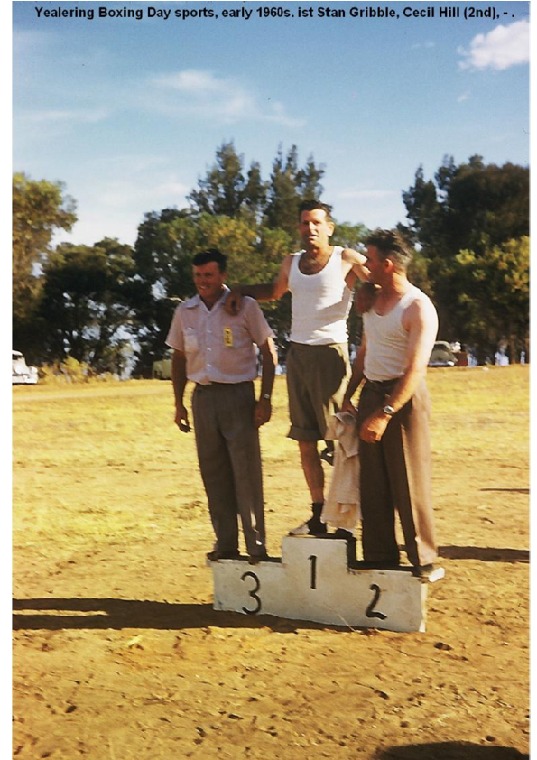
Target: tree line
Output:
{"points": [[109, 305]]}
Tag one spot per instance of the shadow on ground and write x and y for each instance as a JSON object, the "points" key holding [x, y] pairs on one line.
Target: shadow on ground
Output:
{"points": [[449, 751], [55, 614], [484, 553]]}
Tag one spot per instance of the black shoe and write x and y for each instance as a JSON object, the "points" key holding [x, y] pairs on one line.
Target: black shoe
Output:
{"points": [[371, 565], [312, 527], [215, 555], [347, 536], [254, 559]]}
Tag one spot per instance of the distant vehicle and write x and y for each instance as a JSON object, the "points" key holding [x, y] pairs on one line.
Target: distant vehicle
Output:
{"points": [[442, 355], [22, 374], [162, 369]]}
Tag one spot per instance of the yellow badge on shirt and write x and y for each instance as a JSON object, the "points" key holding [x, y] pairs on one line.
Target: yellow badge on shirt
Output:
{"points": [[228, 337]]}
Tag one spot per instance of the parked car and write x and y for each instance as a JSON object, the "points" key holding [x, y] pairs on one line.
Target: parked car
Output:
{"points": [[442, 355], [22, 374], [162, 369]]}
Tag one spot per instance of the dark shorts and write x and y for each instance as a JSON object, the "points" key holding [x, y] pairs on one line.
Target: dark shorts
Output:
{"points": [[317, 378]]}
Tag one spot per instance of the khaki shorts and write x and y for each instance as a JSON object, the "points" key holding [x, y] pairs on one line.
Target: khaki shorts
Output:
{"points": [[317, 378]]}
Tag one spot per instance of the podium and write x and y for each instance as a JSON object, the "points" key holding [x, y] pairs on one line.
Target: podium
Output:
{"points": [[314, 581]]}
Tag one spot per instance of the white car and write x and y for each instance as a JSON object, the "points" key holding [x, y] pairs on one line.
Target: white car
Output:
{"points": [[22, 373], [442, 355], [162, 369]]}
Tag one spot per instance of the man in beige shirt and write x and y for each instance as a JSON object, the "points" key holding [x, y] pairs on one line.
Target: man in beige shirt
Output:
{"points": [[217, 352]]}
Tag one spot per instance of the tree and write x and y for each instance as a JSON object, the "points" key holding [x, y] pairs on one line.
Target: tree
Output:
{"points": [[474, 207], [288, 186], [85, 305], [226, 191], [39, 209], [349, 235], [496, 295]]}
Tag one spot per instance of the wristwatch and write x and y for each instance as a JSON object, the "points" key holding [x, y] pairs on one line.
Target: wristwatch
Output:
{"points": [[389, 410], [266, 396]]}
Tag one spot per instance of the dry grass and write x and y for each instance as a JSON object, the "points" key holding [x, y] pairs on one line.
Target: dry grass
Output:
{"points": [[111, 455]]}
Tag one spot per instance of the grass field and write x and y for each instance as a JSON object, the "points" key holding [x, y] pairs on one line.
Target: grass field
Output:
{"points": [[119, 655]]}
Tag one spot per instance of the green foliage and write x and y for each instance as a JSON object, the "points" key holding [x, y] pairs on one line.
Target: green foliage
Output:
{"points": [[495, 293], [483, 209], [227, 190], [72, 371], [39, 209], [288, 186], [107, 305], [85, 307], [349, 235], [68, 371]]}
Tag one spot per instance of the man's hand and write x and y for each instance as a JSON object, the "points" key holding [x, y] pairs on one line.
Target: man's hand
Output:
{"points": [[233, 302], [372, 429], [263, 412], [364, 297], [181, 419]]}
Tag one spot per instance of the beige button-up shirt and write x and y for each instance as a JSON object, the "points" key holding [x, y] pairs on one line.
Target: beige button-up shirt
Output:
{"points": [[219, 348]]}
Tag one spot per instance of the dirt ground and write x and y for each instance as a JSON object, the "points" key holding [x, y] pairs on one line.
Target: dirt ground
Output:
{"points": [[119, 655]]}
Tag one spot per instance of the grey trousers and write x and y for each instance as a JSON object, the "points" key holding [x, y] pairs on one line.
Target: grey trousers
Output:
{"points": [[229, 457], [395, 476]]}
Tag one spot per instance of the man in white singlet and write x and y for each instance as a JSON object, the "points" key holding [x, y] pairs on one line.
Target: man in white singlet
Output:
{"points": [[394, 410], [321, 278]]}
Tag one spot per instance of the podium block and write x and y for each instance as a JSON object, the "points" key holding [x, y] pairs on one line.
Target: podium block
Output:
{"points": [[312, 581]]}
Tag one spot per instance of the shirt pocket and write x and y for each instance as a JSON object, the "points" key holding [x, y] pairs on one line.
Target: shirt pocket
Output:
{"points": [[191, 339]]}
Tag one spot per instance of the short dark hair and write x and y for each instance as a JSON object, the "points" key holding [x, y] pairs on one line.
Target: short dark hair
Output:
{"points": [[391, 244], [211, 254], [309, 204]]}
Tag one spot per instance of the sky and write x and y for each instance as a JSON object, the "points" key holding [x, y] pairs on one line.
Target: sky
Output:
{"points": [[128, 112]]}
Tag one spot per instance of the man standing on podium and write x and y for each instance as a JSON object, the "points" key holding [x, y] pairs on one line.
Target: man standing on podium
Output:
{"points": [[216, 352], [393, 411], [321, 278]]}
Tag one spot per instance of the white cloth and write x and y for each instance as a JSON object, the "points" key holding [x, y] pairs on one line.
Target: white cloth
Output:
{"points": [[342, 506]]}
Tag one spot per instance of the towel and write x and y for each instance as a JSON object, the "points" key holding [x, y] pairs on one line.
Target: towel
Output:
{"points": [[342, 506]]}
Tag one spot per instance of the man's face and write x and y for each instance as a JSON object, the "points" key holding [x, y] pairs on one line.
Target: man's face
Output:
{"points": [[315, 228], [209, 281], [375, 264]]}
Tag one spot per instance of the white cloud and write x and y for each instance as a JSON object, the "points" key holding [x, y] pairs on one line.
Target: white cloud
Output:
{"points": [[202, 94], [66, 116], [190, 80], [503, 47], [429, 45]]}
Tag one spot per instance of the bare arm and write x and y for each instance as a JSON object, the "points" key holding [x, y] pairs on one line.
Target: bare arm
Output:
{"points": [[269, 291], [269, 359], [179, 381], [356, 269], [422, 325], [355, 379]]}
